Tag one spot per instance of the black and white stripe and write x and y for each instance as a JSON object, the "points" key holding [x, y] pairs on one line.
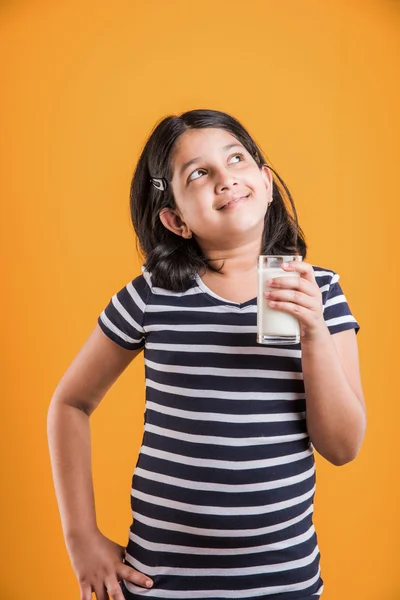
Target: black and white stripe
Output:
{"points": [[222, 494]]}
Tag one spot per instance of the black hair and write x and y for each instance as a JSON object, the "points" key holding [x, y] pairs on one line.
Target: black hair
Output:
{"points": [[172, 260]]}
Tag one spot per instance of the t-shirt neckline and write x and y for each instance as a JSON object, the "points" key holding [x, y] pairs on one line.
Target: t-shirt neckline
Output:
{"points": [[209, 292]]}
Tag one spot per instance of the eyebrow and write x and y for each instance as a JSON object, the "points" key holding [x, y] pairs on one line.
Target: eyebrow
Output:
{"points": [[198, 158]]}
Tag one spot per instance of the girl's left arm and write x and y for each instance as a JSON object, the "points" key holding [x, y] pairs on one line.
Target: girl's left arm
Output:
{"points": [[335, 408]]}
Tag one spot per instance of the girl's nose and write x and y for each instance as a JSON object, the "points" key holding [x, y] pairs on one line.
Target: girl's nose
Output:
{"points": [[224, 180]]}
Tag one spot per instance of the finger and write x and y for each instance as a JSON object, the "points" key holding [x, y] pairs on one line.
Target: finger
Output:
{"points": [[114, 589], [294, 283], [305, 269], [291, 296], [134, 576], [309, 318], [300, 312], [86, 591], [100, 592]]}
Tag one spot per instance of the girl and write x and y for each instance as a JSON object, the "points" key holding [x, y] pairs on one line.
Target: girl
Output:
{"points": [[222, 494]]}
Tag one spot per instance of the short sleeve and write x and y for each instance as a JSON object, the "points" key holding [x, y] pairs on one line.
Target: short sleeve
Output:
{"points": [[122, 319], [337, 313]]}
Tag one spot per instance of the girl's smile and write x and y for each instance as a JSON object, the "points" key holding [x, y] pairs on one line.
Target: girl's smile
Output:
{"points": [[233, 202]]}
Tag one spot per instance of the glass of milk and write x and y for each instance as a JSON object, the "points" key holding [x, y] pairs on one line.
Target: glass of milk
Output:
{"points": [[275, 326]]}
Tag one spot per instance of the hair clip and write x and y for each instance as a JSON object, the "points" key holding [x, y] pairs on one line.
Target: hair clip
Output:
{"points": [[159, 183]]}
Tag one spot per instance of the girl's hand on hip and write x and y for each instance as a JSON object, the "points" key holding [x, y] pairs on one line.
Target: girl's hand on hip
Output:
{"points": [[98, 565], [299, 296]]}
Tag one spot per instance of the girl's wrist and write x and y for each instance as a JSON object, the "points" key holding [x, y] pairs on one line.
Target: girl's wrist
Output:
{"points": [[315, 336], [80, 533]]}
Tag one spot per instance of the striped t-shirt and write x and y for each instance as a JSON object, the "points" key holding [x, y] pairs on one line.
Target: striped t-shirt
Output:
{"points": [[222, 493]]}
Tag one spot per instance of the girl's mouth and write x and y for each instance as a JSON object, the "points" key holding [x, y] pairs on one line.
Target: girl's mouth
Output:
{"points": [[231, 203]]}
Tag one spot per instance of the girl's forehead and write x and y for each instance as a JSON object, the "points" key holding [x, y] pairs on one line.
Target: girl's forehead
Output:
{"points": [[196, 143]]}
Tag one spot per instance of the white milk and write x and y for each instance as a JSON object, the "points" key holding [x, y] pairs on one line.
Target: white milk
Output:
{"points": [[270, 321]]}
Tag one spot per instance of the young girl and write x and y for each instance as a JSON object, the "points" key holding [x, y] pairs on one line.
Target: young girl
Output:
{"points": [[222, 494]]}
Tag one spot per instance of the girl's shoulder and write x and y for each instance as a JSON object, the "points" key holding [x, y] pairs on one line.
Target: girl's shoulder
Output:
{"points": [[327, 280], [333, 295], [324, 276], [337, 312]]}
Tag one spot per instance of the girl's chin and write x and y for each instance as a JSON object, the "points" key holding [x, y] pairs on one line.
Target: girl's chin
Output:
{"points": [[245, 224], [232, 235]]}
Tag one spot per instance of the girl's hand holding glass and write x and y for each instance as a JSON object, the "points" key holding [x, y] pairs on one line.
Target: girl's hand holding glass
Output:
{"points": [[299, 296], [98, 565]]}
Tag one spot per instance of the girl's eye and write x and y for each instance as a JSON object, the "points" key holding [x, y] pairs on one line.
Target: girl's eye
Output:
{"points": [[191, 178], [238, 154]]}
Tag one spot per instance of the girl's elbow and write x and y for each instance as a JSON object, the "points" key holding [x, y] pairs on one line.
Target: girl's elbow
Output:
{"points": [[343, 457], [342, 460], [348, 450]]}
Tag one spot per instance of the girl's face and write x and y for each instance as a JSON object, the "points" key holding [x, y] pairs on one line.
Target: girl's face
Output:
{"points": [[220, 192]]}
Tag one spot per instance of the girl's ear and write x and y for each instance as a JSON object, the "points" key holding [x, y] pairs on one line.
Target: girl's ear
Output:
{"points": [[269, 182], [172, 221]]}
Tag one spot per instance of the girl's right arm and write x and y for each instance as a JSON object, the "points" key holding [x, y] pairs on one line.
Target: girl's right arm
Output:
{"points": [[96, 560]]}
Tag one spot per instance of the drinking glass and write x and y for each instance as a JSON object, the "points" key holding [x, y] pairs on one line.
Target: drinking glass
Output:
{"points": [[275, 326]]}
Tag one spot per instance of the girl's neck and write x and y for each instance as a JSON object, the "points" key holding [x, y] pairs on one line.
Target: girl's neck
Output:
{"points": [[234, 262], [237, 279]]}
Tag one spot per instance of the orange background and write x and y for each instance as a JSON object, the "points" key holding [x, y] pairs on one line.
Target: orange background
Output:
{"points": [[83, 83]]}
